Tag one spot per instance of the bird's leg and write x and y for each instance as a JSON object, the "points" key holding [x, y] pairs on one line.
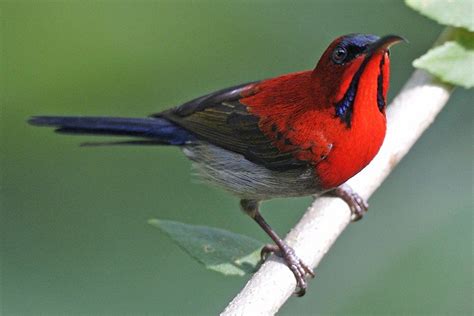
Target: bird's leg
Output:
{"points": [[299, 269], [356, 203]]}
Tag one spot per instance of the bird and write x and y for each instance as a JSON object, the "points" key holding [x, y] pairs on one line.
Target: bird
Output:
{"points": [[299, 134]]}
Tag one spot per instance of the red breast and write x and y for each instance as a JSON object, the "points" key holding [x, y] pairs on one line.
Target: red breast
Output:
{"points": [[334, 116]]}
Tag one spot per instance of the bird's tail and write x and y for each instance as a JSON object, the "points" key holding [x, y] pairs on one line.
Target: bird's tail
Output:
{"points": [[151, 130]]}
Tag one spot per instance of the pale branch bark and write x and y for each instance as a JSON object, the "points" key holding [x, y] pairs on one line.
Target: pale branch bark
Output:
{"points": [[409, 115]]}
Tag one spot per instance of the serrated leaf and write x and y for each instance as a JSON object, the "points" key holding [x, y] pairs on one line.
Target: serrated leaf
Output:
{"points": [[452, 62], [218, 249], [459, 13]]}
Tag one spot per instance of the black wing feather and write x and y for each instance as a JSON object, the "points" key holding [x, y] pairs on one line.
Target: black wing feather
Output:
{"points": [[221, 119]]}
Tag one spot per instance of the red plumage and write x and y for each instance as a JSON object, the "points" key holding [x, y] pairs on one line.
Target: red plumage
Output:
{"points": [[296, 111], [298, 134]]}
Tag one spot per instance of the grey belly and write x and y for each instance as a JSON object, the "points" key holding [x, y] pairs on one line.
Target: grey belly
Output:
{"points": [[246, 179]]}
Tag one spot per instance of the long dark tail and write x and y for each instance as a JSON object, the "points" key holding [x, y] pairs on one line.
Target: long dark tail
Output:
{"points": [[154, 130]]}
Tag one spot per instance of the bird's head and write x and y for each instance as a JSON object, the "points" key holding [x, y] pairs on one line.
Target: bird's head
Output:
{"points": [[354, 67]]}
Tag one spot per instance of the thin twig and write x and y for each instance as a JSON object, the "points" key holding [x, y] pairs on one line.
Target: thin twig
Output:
{"points": [[409, 115]]}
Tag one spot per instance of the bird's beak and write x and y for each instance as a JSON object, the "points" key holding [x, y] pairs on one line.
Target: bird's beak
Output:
{"points": [[384, 43]]}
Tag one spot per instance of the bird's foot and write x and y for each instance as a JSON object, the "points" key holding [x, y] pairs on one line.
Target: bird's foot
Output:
{"points": [[296, 265], [356, 203]]}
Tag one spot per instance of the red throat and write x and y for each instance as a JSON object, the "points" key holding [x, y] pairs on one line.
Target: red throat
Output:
{"points": [[355, 146], [298, 112]]}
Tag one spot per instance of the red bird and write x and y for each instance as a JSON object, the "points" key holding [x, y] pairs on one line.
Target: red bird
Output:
{"points": [[303, 133]]}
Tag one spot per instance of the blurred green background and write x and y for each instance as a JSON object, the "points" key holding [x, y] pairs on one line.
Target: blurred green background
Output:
{"points": [[73, 220]]}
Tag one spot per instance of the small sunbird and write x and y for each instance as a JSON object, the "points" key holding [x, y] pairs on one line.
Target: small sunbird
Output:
{"points": [[303, 133]]}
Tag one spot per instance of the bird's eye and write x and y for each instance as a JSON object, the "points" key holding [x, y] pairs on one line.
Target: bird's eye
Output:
{"points": [[339, 55]]}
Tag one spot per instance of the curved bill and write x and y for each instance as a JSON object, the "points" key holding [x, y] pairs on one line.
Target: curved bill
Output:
{"points": [[384, 43]]}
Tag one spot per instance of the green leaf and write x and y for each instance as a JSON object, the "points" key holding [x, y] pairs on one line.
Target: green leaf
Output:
{"points": [[453, 61], [459, 13], [218, 249]]}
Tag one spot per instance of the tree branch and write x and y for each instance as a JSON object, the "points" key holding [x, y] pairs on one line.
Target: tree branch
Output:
{"points": [[409, 115]]}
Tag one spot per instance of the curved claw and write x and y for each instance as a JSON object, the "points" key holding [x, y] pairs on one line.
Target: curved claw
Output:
{"points": [[358, 207], [296, 265], [267, 250], [356, 203]]}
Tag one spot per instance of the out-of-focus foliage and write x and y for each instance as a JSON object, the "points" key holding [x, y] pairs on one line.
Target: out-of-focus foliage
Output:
{"points": [[459, 13], [453, 60], [217, 249]]}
